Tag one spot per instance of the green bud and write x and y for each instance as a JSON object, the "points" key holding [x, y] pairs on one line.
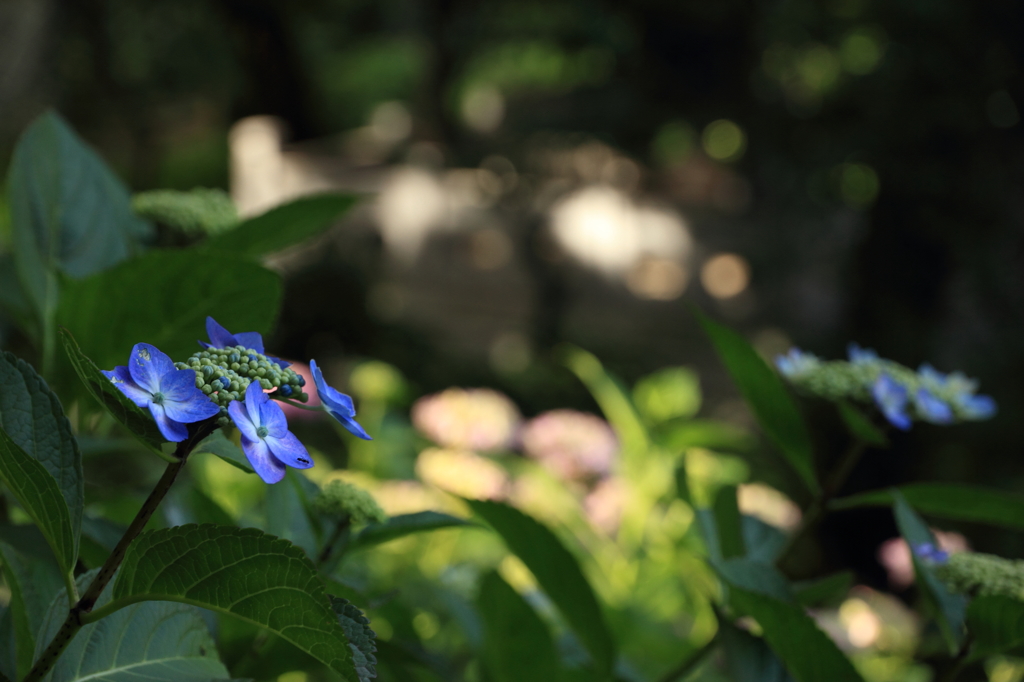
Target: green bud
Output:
{"points": [[261, 372], [235, 366], [983, 574], [340, 500], [302, 397], [207, 389]]}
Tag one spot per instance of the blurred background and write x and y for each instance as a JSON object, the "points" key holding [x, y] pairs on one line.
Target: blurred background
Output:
{"points": [[581, 172]]}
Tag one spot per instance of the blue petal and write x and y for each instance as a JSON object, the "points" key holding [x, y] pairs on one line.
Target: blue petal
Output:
{"points": [[860, 355], [351, 425], [891, 399], [267, 467], [272, 417], [289, 450], [254, 397], [219, 336], [186, 403], [240, 416], [931, 408], [122, 378], [976, 406], [172, 430], [147, 364], [250, 340], [334, 399], [931, 375]]}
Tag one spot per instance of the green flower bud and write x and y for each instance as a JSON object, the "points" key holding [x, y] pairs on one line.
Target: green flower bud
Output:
{"points": [[340, 500], [207, 389], [983, 574]]}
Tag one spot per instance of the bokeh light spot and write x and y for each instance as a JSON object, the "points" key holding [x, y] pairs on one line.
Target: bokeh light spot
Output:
{"points": [[674, 142], [725, 275], [724, 140], [858, 184], [861, 52], [657, 279]]}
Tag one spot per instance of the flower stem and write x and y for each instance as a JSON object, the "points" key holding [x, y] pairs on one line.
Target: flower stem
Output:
{"points": [[816, 511], [74, 622], [291, 402]]}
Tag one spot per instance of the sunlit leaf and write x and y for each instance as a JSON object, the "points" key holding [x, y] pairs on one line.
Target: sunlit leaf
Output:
{"points": [[517, 643], [220, 445], [402, 525]]}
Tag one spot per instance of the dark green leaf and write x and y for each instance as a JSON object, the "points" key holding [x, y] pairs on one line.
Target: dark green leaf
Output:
{"points": [[362, 639], [12, 300], [188, 504], [860, 426], [808, 653], [140, 423], [152, 641], [557, 572], [996, 623], [69, 213], [949, 608], [729, 523], [827, 591], [220, 445], [517, 643], [953, 501], [163, 298], [8, 646], [283, 226], [749, 658], [32, 416], [99, 537], [402, 525], [764, 542], [242, 572], [768, 398], [40, 496], [756, 578], [33, 578]]}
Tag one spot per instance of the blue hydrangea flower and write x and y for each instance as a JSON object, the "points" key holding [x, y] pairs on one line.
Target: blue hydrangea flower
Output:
{"points": [[976, 406], [861, 356], [891, 399], [795, 362], [152, 381], [932, 409], [222, 338], [929, 552], [338, 404], [268, 444]]}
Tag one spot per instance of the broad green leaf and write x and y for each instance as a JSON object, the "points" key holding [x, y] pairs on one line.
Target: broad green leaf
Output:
{"points": [[402, 525], [219, 444], [33, 578], [12, 300], [768, 398], [517, 644], [151, 641], [749, 658], [283, 226], [954, 501], [99, 537], [8, 647], [763, 542], [287, 512], [185, 503], [69, 213], [126, 413], [827, 591], [32, 416], [949, 608], [996, 624], [40, 496], [163, 298], [729, 523], [860, 426], [195, 212], [362, 639], [242, 572], [557, 572], [808, 653]]}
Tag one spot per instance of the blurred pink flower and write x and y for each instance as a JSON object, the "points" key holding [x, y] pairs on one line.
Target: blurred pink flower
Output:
{"points": [[894, 554], [575, 445], [462, 473], [291, 412], [478, 419], [605, 503]]}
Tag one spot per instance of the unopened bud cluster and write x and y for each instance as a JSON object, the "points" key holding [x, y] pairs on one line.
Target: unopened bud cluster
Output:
{"points": [[224, 373], [341, 499], [983, 575]]}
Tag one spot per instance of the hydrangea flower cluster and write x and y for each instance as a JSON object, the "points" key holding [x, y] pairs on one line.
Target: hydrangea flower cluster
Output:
{"points": [[900, 393], [232, 378]]}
